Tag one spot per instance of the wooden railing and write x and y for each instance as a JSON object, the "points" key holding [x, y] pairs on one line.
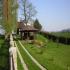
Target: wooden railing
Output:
{"points": [[13, 54]]}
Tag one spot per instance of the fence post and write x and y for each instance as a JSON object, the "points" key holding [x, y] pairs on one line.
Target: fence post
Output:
{"points": [[13, 54]]}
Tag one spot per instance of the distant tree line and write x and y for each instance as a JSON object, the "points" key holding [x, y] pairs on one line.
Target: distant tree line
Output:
{"points": [[54, 38]]}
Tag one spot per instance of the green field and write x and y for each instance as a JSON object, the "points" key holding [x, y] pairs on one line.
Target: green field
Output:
{"points": [[62, 34], [19, 65], [4, 56], [30, 64], [53, 56]]}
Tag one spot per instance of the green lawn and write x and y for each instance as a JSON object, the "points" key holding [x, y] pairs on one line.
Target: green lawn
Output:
{"points": [[19, 65], [63, 34], [4, 54], [30, 64], [53, 56]]}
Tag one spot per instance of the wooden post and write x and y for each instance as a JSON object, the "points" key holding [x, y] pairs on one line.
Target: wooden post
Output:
{"points": [[13, 54], [21, 35]]}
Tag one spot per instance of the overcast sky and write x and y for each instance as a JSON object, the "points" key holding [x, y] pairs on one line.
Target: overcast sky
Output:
{"points": [[54, 15]]}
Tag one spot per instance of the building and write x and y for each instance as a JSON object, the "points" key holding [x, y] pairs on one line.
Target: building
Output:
{"points": [[27, 32]]}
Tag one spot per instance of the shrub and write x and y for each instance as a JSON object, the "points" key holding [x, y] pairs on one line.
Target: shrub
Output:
{"points": [[39, 43]]}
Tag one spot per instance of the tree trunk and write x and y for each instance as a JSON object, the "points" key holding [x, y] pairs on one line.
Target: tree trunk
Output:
{"points": [[7, 37]]}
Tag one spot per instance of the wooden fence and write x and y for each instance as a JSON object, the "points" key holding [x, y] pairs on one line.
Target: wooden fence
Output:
{"points": [[13, 55]]}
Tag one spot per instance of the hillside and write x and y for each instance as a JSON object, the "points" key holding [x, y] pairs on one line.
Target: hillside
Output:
{"points": [[53, 56], [62, 34], [66, 30]]}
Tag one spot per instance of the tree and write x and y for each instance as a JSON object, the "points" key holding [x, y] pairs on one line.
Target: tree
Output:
{"points": [[37, 25], [1, 12], [9, 15], [28, 10]]}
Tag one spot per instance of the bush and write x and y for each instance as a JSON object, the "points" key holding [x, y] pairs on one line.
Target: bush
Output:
{"points": [[39, 43]]}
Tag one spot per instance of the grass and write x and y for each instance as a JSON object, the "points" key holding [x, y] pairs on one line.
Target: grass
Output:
{"points": [[4, 54], [54, 56], [41, 38], [19, 65], [31, 65], [62, 34], [1, 41]]}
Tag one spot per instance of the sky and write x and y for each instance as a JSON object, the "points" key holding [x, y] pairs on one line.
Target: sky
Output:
{"points": [[54, 15]]}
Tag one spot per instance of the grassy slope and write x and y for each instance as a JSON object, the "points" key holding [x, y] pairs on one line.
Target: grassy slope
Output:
{"points": [[31, 65], [63, 34], [19, 65], [54, 57], [4, 65]]}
